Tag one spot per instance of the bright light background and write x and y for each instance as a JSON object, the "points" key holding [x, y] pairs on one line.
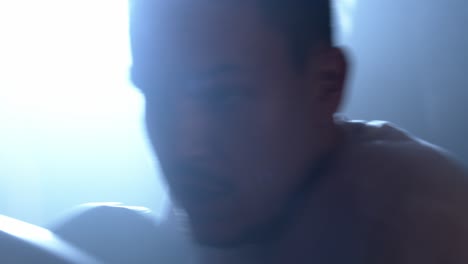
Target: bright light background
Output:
{"points": [[70, 122]]}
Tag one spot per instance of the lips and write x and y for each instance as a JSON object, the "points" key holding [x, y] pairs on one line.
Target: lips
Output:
{"points": [[197, 187], [201, 200]]}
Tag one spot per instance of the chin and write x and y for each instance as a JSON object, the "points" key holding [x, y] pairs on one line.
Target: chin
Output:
{"points": [[222, 235], [236, 232]]}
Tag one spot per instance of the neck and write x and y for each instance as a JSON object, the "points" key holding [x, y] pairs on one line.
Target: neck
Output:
{"points": [[333, 139]]}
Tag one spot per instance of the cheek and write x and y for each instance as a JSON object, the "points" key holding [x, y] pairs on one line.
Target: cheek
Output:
{"points": [[258, 153], [153, 127], [159, 133], [272, 153]]}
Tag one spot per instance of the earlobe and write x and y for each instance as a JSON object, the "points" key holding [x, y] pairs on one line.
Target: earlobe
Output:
{"points": [[331, 72]]}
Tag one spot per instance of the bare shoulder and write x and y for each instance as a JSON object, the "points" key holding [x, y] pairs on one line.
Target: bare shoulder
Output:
{"points": [[413, 196], [384, 154]]}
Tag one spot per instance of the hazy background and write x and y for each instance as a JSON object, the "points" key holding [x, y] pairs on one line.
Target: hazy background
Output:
{"points": [[70, 122]]}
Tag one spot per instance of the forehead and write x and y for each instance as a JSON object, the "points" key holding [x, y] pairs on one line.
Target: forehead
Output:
{"points": [[176, 14], [190, 35]]}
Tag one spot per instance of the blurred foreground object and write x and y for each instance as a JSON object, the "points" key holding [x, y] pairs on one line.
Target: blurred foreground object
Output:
{"points": [[119, 234], [23, 243]]}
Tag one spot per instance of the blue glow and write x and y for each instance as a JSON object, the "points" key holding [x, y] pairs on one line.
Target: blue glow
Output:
{"points": [[71, 129], [345, 12], [24, 230]]}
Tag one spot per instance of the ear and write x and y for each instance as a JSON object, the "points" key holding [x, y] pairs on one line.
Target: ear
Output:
{"points": [[330, 75]]}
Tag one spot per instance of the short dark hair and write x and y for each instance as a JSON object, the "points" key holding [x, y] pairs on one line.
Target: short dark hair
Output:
{"points": [[305, 22]]}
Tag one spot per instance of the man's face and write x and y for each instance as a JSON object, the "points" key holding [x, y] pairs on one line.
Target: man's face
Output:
{"points": [[233, 124]]}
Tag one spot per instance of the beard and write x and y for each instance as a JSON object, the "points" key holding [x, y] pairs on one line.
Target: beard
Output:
{"points": [[273, 228]]}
